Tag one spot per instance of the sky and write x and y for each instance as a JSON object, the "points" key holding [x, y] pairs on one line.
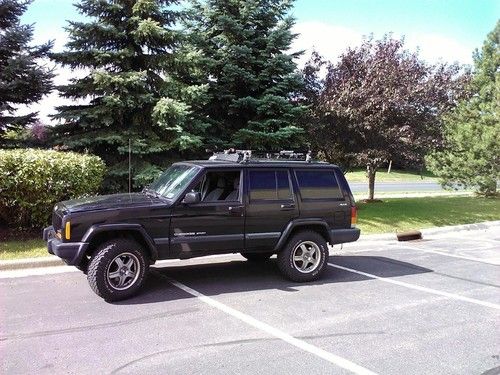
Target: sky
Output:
{"points": [[441, 30]]}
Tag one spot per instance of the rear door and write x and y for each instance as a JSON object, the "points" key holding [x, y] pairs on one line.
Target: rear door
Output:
{"points": [[270, 205], [321, 197]]}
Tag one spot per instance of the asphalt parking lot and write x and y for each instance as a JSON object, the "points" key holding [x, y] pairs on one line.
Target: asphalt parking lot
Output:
{"points": [[421, 307]]}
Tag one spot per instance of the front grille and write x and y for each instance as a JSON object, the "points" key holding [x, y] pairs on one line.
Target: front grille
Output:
{"points": [[56, 220]]}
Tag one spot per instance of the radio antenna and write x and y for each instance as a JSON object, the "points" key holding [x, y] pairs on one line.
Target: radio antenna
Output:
{"points": [[129, 166]]}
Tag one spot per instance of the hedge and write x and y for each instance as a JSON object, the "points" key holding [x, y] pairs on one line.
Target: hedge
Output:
{"points": [[32, 181]]}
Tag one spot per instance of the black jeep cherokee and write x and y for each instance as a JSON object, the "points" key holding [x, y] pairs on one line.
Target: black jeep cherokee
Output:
{"points": [[227, 205]]}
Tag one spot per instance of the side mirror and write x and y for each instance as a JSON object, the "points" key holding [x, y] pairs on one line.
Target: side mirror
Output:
{"points": [[191, 198]]}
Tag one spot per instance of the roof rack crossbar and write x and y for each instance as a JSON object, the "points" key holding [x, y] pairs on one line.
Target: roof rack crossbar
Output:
{"points": [[243, 156]]}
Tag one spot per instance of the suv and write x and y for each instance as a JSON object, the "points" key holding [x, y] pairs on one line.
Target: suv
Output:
{"points": [[229, 204]]}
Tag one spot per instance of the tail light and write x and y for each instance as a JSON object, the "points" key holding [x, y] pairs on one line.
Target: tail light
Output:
{"points": [[354, 216]]}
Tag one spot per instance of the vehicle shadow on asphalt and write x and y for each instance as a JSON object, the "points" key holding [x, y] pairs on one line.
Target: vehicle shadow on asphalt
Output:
{"points": [[237, 276]]}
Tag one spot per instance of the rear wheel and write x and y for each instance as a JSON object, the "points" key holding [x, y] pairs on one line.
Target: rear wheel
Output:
{"points": [[117, 269], [257, 257], [304, 257]]}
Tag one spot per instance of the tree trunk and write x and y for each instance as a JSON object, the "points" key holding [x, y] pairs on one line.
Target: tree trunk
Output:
{"points": [[371, 170]]}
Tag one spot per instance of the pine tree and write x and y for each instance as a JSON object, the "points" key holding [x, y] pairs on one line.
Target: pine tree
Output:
{"points": [[24, 78], [251, 76], [471, 157], [130, 51]]}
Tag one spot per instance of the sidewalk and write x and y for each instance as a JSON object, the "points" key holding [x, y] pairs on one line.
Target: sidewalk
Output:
{"points": [[359, 196]]}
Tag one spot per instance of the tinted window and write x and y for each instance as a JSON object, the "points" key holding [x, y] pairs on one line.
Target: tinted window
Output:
{"points": [[269, 185], [283, 185], [344, 185], [318, 184]]}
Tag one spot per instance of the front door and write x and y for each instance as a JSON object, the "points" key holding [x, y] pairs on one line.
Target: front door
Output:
{"points": [[216, 223]]}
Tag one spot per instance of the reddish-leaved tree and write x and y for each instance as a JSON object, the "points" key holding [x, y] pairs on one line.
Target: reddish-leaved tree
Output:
{"points": [[380, 102]]}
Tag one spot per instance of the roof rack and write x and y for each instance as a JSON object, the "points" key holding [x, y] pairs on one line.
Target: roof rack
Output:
{"points": [[243, 156]]}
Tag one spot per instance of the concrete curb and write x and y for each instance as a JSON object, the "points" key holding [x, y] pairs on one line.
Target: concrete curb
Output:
{"points": [[51, 261], [16, 264], [434, 231]]}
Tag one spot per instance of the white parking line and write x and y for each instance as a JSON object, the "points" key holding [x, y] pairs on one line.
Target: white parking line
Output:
{"points": [[418, 287], [332, 358], [390, 247], [493, 262]]}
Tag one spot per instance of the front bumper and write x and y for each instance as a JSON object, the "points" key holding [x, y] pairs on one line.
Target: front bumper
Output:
{"points": [[70, 252]]}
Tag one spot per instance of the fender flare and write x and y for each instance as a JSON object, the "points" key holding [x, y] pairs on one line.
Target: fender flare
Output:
{"points": [[99, 228], [301, 223]]}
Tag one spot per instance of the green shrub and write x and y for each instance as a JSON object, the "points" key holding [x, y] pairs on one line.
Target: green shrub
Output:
{"points": [[32, 181]]}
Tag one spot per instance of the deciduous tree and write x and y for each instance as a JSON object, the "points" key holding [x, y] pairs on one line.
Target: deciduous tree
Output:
{"points": [[380, 101]]}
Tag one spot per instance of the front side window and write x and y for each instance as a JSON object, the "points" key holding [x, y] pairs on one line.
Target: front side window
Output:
{"points": [[219, 186], [174, 180], [319, 184], [269, 185]]}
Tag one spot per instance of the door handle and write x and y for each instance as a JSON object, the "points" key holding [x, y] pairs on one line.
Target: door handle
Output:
{"points": [[287, 207], [236, 209]]}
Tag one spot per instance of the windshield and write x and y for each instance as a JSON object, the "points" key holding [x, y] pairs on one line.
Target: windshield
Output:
{"points": [[173, 181]]}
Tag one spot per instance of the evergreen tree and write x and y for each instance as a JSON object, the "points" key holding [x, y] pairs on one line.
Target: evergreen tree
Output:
{"points": [[471, 157], [130, 51], [250, 75], [24, 79]]}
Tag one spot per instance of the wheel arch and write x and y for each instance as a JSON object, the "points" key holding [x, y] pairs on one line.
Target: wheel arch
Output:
{"points": [[317, 225], [98, 234]]}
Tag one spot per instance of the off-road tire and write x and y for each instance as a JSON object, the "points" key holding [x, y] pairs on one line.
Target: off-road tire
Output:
{"points": [[257, 257], [285, 257], [100, 261]]}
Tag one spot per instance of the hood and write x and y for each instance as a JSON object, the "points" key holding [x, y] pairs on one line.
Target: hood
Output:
{"points": [[117, 201]]}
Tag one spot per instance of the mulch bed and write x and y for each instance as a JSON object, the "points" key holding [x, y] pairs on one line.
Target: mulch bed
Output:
{"points": [[371, 201]]}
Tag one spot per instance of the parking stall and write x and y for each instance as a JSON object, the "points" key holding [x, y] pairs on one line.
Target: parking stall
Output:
{"points": [[383, 307]]}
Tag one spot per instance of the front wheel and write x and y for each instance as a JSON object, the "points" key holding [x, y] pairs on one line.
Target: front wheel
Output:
{"points": [[304, 257], [117, 269]]}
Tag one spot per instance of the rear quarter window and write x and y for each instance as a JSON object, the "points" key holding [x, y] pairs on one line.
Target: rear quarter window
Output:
{"points": [[318, 184]]}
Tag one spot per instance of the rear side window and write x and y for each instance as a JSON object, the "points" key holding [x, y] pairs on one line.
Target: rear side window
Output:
{"points": [[318, 184], [269, 185], [344, 185]]}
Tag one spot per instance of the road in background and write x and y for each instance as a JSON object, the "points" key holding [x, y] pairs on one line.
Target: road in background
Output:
{"points": [[424, 307], [383, 187]]}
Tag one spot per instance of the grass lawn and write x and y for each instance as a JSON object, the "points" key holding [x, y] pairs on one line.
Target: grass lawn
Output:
{"points": [[391, 215], [16, 249], [359, 175], [398, 214]]}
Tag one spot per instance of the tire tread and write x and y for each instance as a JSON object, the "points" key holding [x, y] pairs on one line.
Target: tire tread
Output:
{"points": [[103, 254], [283, 260]]}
